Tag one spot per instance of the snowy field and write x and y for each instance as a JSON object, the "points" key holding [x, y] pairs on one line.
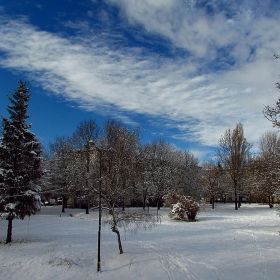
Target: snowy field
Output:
{"points": [[223, 244]]}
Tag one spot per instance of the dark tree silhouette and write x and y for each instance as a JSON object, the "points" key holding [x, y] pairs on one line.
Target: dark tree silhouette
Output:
{"points": [[20, 162]]}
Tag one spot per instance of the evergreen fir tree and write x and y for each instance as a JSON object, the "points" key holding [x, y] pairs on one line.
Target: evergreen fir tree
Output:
{"points": [[20, 162]]}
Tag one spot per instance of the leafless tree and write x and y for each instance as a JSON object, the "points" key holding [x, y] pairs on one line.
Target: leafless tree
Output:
{"points": [[189, 175], [160, 169], [269, 144], [116, 154], [60, 168], [155, 171], [233, 153], [211, 173], [266, 166], [85, 135], [272, 113]]}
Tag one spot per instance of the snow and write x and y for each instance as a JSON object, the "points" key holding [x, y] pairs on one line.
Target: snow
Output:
{"points": [[10, 206], [222, 244]]}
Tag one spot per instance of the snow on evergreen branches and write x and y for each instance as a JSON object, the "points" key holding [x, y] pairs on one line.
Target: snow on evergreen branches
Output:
{"points": [[20, 162]]}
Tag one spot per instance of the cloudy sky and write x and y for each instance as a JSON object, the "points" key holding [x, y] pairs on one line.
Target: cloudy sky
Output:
{"points": [[184, 70]]}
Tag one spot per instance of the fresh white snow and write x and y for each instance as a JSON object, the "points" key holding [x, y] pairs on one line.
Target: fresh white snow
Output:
{"points": [[222, 244]]}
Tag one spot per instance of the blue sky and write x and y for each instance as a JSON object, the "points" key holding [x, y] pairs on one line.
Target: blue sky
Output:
{"points": [[184, 70]]}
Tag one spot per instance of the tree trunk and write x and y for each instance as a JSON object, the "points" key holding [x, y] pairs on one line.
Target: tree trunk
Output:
{"points": [[144, 198], [235, 197], [114, 229], [249, 197], [158, 205], [158, 208], [213, 201], [87, 208], [9, 231], [239, 201]]}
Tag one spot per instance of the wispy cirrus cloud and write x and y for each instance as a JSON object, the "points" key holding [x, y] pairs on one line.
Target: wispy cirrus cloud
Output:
{"points": [[226, 76], [210, 30]]}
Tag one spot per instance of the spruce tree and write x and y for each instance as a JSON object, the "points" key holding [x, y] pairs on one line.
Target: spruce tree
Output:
{"points": [[20, 162]]}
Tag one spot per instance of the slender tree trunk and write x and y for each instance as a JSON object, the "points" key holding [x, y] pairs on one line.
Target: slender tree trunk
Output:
{"points": [[249, 197], [235, 197], [87, 208], [115, 229], [239, 201], [144, 199], [158, 205], [213, 201], [9, 231], [270, 201], [63, 205], [158, 208]]}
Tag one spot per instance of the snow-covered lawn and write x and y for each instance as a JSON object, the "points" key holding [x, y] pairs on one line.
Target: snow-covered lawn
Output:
{"points": [[223, 244]]}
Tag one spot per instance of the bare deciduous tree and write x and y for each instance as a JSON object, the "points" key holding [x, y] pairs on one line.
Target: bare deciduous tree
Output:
{"points": [[210, 179], [272, 113], [233, 153], [266, 166], [189, 175], [85, 135], [60, 168], [117, 157]]}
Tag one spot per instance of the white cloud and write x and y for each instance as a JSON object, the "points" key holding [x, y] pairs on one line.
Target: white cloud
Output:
{"points": [[240, 24], [188, 94]]}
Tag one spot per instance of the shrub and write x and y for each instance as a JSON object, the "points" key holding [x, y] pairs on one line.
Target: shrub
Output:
{"points": [[182, 207]]}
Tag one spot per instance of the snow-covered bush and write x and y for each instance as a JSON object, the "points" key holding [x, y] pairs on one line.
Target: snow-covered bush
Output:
{"points": [[182, 207]]}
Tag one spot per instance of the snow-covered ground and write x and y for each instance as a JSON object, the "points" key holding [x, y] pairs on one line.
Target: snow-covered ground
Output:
{"points": [[223, 244]]}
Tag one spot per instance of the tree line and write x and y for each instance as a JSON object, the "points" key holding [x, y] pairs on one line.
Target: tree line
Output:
{"points": [[111, 162], [240, 174], [132, 173], [136, 174]]}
